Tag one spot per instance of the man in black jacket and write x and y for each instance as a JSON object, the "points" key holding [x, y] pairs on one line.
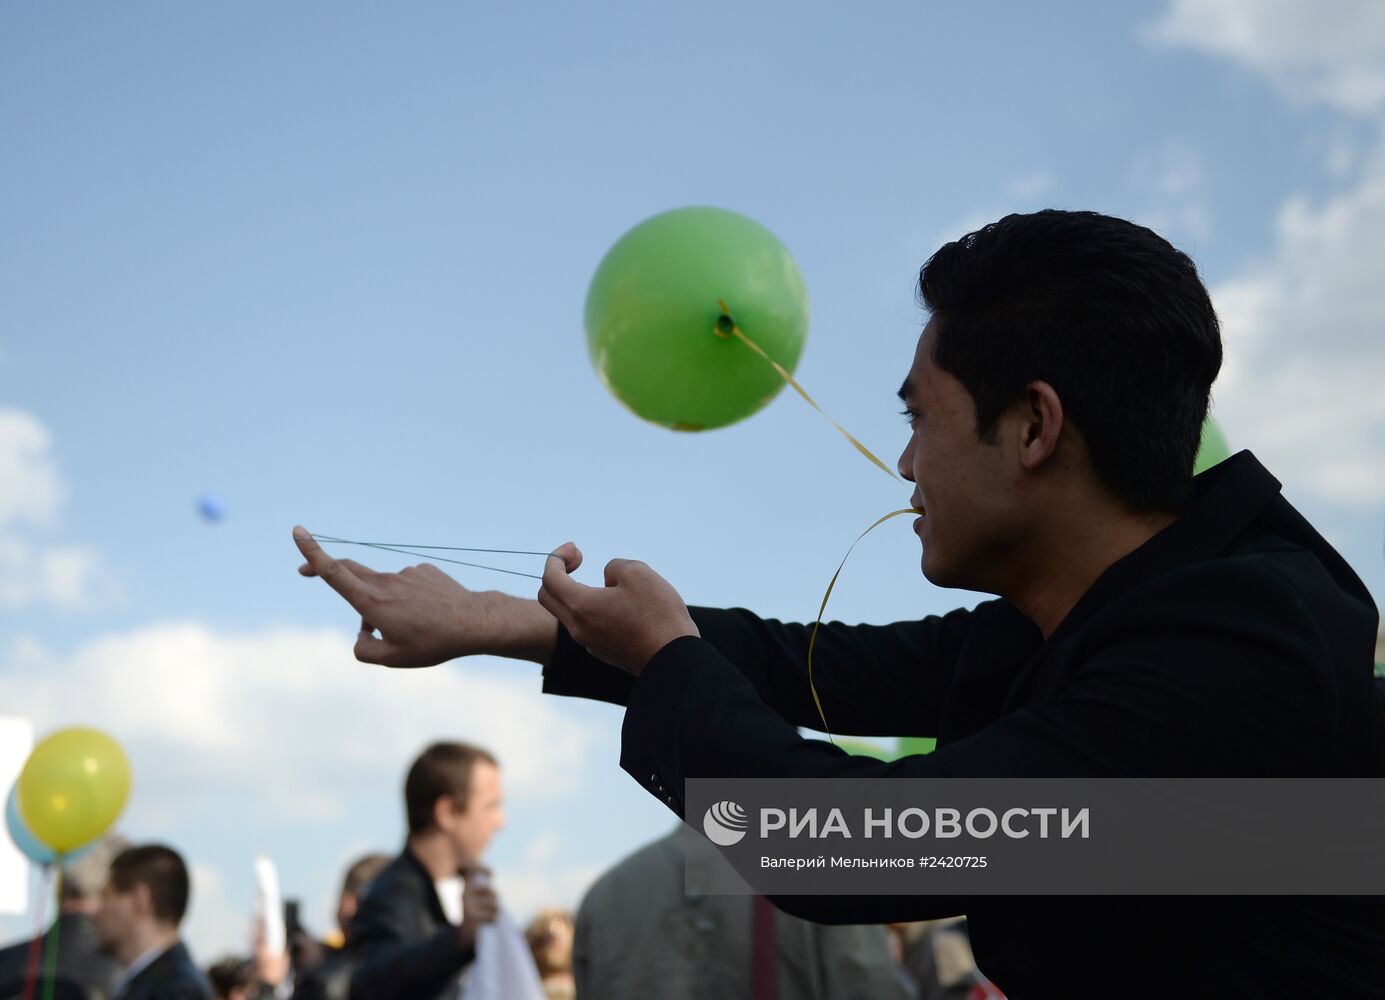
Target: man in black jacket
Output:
{"points": [[142, 905], [78, 960], [415, 929], [1149, 624]]}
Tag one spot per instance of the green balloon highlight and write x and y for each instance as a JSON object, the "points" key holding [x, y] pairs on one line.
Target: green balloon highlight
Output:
{"points": [[652, 317], [1213, 448]]}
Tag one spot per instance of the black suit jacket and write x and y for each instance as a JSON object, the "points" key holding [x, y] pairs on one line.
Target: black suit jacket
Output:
{"points": [[1235, 643], [79, 961], [171, 976], [402, 945]]}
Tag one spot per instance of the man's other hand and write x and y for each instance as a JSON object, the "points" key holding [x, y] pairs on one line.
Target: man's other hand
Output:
{"points": [[624, 623], [480, 905]]}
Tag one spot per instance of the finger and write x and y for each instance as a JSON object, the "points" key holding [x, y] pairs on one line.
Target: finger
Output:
{"points": [[570, 554], [614, 569], [366, 627], [561, 587], [471, 871], [480, 901], [336, 573], [370, 649], [363, 573]]}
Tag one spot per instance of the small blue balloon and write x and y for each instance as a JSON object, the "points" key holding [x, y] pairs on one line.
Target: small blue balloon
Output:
{"points": [[211, 507], [27, 843]]}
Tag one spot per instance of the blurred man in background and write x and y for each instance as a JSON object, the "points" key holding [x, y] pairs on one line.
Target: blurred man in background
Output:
{"points": [[640, 934], [415, 929], [79, 960], [142, 905]]}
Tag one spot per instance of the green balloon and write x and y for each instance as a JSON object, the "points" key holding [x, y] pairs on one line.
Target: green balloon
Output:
{"points": [[910, 745], [652, 317], [1213, 449]]}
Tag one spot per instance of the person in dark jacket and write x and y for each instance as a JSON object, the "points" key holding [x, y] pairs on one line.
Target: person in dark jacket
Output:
{"points": [[145, 898], [1149, 624], [414, 931], [79, 960]]}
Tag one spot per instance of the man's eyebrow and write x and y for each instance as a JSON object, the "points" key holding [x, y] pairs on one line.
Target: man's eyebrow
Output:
{"points": [[906, 390]]}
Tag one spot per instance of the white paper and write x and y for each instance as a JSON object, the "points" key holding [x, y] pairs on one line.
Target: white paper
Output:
{"points": [[16, 743], [504, 968], [269, 906]]}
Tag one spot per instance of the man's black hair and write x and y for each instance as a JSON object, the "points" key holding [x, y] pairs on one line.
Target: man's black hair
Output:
{"points": [[162, 871], [1108, 313]]}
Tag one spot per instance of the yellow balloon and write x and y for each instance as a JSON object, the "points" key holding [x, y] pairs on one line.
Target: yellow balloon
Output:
{"points": [[73, 787]]}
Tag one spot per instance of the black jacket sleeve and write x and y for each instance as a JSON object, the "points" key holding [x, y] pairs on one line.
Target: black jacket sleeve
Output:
{"points": [[1194, 682], [873, 680]]}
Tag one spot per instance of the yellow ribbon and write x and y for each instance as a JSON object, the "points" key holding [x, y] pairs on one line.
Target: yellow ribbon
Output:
{"points": [[726, 326], [812, 640]]}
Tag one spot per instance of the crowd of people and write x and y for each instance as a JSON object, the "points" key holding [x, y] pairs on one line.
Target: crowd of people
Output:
{"points": [[409, 927]]}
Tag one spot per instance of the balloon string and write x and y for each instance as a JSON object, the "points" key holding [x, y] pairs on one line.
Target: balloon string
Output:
{"points": [[812, 640], [31, 973], [51, 979], [727, 325], [409, 551]]}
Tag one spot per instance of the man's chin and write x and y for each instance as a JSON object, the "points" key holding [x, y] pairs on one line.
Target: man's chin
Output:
{"points": [[940, 575]]}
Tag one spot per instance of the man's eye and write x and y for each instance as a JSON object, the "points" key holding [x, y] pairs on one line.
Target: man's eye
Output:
{"points": [[909, 415]]}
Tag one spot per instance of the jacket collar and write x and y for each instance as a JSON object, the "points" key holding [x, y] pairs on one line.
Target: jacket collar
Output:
{"points": [[1227, 498], [412, 863], [155, 967]]}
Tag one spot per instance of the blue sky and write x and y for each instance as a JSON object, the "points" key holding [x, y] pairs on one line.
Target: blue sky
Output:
{"points": [[329, 260]]}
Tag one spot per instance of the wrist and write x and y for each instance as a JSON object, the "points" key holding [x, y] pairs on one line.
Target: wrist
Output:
{"points": [[691, 632], [466, 938], [517, 628]]}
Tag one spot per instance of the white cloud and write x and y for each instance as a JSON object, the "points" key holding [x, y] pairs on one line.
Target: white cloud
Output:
{"points": [[1331, 53], [1304, 380], [30, 489], [31, 495], [286, 717]]}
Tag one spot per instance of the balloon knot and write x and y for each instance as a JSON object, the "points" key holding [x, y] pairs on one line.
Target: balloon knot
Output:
{"points": [[725, 325]]}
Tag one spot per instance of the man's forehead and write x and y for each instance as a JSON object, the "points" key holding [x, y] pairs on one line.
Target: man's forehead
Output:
{"points": [[917, 378]]}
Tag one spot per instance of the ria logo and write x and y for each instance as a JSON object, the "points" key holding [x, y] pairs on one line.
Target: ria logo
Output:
{"points": [[725, 824]]}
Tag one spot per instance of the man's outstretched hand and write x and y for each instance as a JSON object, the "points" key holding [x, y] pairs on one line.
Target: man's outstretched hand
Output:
{"points": [[425, 617], [624, 623]]}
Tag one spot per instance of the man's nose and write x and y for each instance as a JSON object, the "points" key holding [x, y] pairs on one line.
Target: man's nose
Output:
{"points": [[905, 466]]}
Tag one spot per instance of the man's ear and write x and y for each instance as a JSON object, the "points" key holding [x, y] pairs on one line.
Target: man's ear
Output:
{"points": [[141, 901], [443, 811], [1041, 424]]}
